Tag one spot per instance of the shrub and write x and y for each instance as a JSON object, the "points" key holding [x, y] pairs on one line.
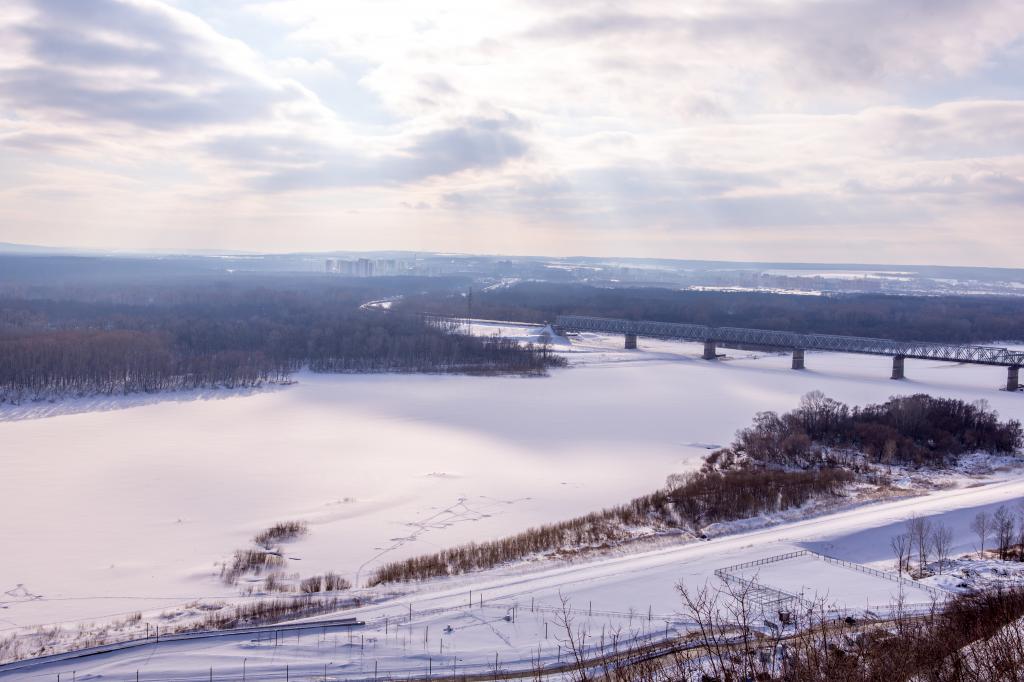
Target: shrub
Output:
{"points": [[334, 583], [284, 531], [330, 582], [311, 585], [250, 561]]}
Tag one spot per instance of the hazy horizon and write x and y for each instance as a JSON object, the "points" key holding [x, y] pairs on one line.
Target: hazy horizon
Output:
{"points": [[22, 249]]}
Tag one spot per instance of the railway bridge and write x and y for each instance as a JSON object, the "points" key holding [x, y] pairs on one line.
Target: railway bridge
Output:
{"points": [[763, 339]]}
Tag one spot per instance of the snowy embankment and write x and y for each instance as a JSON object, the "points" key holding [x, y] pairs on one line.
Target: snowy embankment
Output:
{"points": [[467, 621], [108, 513]]}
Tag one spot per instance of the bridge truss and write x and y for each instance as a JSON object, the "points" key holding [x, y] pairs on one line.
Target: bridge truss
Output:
{"points": [[763, 338]]}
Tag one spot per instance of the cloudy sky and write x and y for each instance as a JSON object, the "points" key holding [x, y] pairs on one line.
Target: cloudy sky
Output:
{"points": [[884, 131]]}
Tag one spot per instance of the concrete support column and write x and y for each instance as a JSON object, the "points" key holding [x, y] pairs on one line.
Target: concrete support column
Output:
{"points": [[710, 350], [897, 366], [798, 358], [1013, 378], [630, 341]]}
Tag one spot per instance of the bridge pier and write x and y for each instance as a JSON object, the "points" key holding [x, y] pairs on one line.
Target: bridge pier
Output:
{"points": [[710, 350], [897, 367], [1013, 378], [798, 358], [630, 341]]}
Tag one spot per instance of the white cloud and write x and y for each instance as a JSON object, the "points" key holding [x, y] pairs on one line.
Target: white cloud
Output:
{"points": [[630, 125]]}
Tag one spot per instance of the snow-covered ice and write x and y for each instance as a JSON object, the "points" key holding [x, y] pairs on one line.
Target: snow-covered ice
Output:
{"points": [[118, 510]]}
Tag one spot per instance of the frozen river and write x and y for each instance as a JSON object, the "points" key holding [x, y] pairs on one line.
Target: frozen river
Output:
{"points": [[118, 505]]}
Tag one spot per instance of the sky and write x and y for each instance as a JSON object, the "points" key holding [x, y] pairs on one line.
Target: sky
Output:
{"points": [[883, 131]]}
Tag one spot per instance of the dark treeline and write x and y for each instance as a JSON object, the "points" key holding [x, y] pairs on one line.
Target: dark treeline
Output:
{"points": [[227, 334], [691, 502], [918, 430], [87, 362], [953, 319]]}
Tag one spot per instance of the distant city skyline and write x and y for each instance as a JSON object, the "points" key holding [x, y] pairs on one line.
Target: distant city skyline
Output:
{"points": [[870, 131]]}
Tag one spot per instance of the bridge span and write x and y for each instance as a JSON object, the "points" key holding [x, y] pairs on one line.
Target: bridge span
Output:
{"points": [[738, 337]]}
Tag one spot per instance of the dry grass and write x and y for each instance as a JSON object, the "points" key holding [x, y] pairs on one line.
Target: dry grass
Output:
{"points": [[275, 583], [250, 561], [269, 611], [285, 531], [10, 648], [334, 583], [331, 582]]}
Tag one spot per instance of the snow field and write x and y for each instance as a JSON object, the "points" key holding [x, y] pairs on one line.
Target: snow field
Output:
{"points": [[107, 512]]}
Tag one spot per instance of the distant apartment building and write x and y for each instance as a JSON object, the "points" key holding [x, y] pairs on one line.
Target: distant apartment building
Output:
{"points": [[365, 267]]}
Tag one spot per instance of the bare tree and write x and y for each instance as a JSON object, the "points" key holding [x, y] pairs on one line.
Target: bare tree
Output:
{"points": [[726, 621], [982, 527], [575, 641], [702, 607], [901, 549], [1003, 525], [919, 528], [971, 638], [942, 542], [1020, 530]]}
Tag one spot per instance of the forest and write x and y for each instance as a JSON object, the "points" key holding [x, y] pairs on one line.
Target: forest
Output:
{"points": [[923, 318], [152, 337], [917, 430]]}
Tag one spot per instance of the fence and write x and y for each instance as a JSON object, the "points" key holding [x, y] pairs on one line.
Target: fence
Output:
{"points": [[552, 658], [770, 598], [934, 591], [271, 634], [760, 562]]}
